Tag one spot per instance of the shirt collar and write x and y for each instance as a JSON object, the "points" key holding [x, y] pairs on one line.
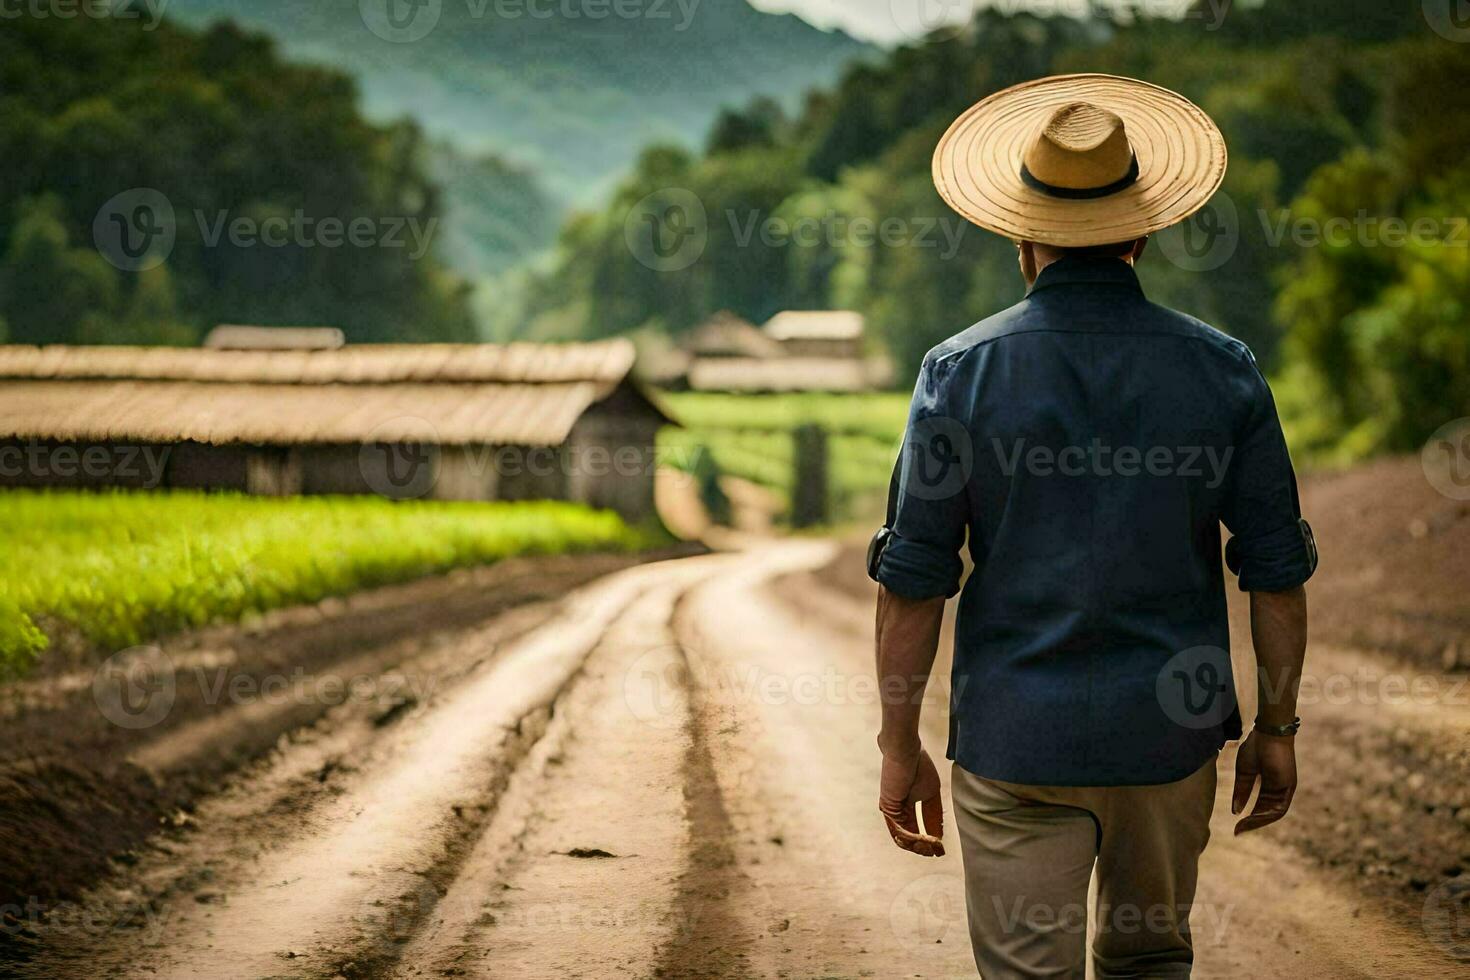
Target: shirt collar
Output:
{"points": [[1085, 270]]}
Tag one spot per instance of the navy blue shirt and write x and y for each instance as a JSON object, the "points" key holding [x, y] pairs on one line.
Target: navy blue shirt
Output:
{"points": [[1090, 444]]}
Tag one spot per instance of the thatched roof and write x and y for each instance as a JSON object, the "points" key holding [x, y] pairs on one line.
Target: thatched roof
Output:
{"points": [[520, 394], [231, 336], [728, 335], [606, 361], [815, 325], [785, 374]]}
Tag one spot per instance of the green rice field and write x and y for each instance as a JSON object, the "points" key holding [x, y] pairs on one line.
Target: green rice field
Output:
{"points": [[123, 567], [749, 436]]}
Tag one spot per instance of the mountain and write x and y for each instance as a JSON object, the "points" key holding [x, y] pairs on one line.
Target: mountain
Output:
{"points": [[496, 216], [571, 89]]}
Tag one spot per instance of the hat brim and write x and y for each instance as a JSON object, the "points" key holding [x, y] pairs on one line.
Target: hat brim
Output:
{"points": [[1181, 162]]}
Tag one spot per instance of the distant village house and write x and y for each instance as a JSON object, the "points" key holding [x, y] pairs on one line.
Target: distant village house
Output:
{"points": [[798, 350]]}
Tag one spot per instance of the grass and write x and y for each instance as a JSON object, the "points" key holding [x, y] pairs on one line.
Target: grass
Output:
{"points": [[749, 436], [876, 415], [122, 567]]}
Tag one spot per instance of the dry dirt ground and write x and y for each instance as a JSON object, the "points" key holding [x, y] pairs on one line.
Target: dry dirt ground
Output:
{"points": [[668, 771]]}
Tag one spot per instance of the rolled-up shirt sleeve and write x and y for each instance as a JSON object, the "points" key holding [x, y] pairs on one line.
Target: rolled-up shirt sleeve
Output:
{"points": [[1271, 548], [928, 503]]}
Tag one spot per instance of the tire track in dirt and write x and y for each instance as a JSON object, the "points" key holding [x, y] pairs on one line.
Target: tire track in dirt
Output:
{"points": [[614, 855], [792, 712], [577, 873], [352, 879], [712, 885], [81, 790]]}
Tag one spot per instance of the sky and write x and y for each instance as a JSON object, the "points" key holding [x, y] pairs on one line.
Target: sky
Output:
{"points": [[880, 21], [892, 22]]}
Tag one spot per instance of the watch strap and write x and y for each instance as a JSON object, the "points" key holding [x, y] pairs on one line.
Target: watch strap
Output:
{"points": [[1280, 731]]}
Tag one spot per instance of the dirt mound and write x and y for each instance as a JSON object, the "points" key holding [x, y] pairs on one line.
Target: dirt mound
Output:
{"points": [[1395, 564], [59, 822]]}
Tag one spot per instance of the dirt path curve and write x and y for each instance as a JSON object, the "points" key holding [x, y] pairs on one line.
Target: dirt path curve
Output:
{"points": [[673, 779]]}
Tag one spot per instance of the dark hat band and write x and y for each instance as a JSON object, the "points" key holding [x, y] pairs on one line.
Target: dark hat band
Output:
{"points": [[1081, 193]]}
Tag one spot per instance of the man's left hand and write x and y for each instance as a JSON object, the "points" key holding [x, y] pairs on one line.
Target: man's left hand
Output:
{"points": [[910, 785]]}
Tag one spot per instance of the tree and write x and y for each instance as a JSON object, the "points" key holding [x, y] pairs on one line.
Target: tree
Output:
{"points": [[225, 132], [762, 123], [49, 290]]}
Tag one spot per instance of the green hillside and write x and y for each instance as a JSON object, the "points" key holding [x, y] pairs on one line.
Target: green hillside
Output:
{"points": [[572, 87]]}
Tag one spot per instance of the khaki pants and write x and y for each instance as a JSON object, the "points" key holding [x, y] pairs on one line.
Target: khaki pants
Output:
{"points": [[1029, 852]]}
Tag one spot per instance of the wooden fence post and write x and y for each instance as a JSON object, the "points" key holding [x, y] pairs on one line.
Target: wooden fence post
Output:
{"points": [[810, 494]]}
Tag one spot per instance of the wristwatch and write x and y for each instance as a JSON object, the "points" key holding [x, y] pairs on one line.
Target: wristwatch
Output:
{"points": [[876, 547], [1280, 731]]}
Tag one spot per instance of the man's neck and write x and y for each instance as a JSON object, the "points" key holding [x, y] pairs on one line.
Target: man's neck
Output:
{"points": [[1041, 255]]}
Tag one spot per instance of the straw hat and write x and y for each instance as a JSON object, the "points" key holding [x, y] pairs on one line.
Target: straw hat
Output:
{"points": [[1076, 160]]}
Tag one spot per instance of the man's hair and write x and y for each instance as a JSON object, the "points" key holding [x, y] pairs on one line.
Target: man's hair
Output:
{"points": [[1115, 250]]}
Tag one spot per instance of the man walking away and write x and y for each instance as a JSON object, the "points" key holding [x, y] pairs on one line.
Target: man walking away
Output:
{"points": [[1089, 444]]}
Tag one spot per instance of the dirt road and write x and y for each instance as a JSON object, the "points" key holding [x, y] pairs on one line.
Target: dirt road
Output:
{"points": [[670, 774]]}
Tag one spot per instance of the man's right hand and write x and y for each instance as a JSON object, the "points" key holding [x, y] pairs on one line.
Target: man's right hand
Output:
{"points": [[910, 785], [1272, 760]]}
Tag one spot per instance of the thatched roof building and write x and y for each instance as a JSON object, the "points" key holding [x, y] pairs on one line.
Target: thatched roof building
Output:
{"points": [[303, 407], [728, 335]]}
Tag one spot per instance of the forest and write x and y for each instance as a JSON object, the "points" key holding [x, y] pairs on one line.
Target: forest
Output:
{"points": [[250, 189]]}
